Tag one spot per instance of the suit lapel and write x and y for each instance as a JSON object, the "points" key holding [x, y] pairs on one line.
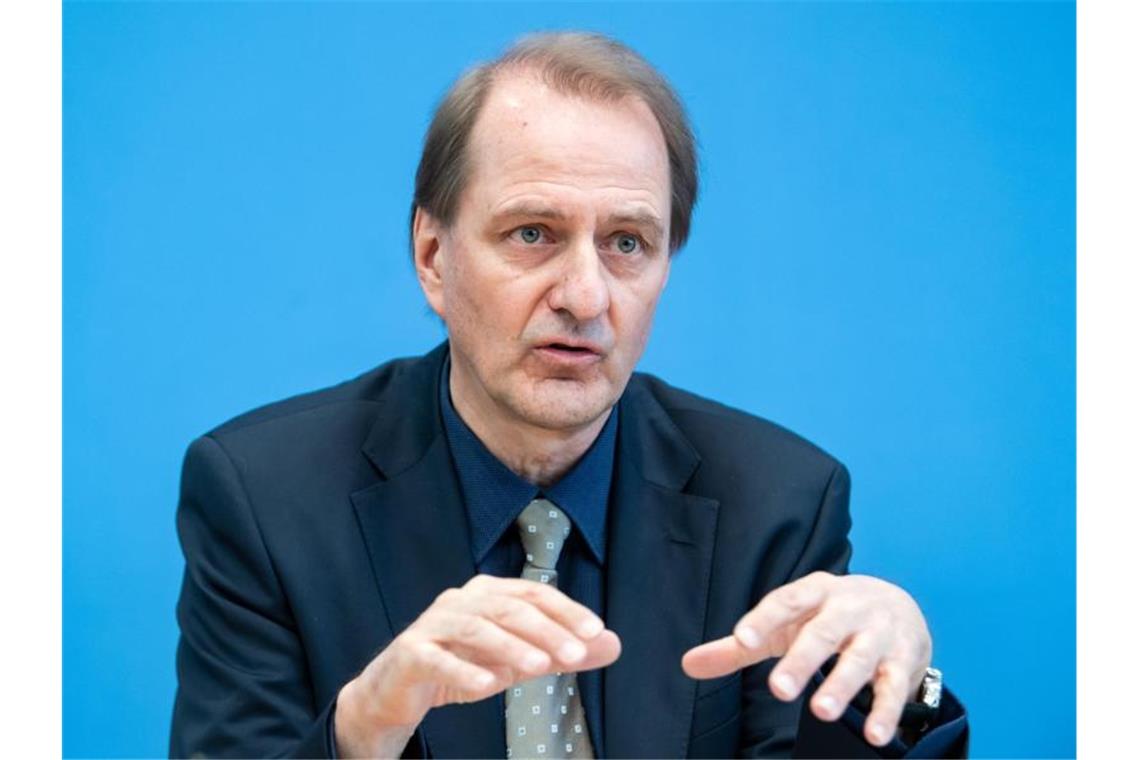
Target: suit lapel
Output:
{"points": [[415, 530], [658, 563]]}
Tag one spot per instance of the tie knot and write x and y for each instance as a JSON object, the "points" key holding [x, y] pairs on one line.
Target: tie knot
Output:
{"points": [[544, 528]]}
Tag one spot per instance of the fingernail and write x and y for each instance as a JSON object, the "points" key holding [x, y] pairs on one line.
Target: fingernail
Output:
{"points": [[591, 628], [748, 637], [784, 684], [827, 705], [571, 651], [535, 661], [879, 733], [483, 680]]}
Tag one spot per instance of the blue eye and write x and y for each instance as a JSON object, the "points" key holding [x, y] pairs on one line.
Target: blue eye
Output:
{"points": [[627, 243], [530, 235]]}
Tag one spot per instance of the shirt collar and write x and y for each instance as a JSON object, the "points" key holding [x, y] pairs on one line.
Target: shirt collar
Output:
{"points": [[495, 495]]}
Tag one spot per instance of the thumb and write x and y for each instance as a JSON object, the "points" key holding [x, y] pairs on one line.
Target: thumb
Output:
{"points": [[723, 656]]}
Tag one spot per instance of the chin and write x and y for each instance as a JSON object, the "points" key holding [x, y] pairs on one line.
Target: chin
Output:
{"points": [[560, 408]]}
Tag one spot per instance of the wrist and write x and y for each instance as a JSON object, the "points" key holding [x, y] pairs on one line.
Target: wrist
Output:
{"points": [[360, 727]]}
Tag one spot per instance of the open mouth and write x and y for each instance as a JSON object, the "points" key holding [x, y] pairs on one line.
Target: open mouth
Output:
{"points": [[566, 355], [565, 347]]}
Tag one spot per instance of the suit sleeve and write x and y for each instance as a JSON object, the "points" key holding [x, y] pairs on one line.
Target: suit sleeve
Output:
{"points": [[243, 688], [769, 725]]}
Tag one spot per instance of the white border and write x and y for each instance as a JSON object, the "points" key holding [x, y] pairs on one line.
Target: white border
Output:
{"points": [[1108, 347], [1108, 330], [30, 377]]}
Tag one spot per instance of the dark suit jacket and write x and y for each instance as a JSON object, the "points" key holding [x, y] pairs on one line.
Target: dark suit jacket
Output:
{"points": [[316, 529]]}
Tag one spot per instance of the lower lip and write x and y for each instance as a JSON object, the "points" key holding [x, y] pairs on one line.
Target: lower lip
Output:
{"points": [[566, 358]]}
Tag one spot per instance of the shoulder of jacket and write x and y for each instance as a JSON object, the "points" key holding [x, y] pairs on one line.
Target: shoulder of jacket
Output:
{"points": [[366, 390], [708, 424]]}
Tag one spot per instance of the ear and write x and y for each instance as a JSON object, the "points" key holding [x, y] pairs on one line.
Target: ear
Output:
{"points": [[428, 255]]}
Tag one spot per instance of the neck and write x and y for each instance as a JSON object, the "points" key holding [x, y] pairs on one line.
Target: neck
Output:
{"points": [[536, 454]]}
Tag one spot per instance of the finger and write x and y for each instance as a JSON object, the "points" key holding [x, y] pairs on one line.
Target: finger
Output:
{"points": [[855, 668], [481, 640], [718, 658], [558, 606], [465, 680], [601, 651], [891, 687], [531, 623], [782, 607], [818, 639]]}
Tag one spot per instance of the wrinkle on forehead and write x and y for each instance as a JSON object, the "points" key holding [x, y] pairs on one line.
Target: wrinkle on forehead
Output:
{"points": [[537, 194], [575, 172]]}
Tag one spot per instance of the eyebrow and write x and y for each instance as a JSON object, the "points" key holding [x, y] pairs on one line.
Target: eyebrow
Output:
{"points": [[644, 219], [532, 210]]}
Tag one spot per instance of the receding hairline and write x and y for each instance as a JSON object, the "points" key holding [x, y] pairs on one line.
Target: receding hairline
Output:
{"points": [[524, 73], [540, 72]]}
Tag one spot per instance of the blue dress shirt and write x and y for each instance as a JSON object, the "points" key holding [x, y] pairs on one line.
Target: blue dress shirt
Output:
{"points": [[494, 497]]}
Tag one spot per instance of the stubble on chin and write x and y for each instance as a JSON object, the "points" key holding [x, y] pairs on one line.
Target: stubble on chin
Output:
{"points": [[559, 404]]}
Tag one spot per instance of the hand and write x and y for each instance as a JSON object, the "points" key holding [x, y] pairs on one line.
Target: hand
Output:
{"points": [[472, 642], [876, 627]]}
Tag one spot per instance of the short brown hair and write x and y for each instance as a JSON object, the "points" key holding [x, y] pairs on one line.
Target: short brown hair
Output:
{"points": [[576, 63]]}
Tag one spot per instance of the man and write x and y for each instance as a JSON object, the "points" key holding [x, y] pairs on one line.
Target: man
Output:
{"points": [[514, 546]]}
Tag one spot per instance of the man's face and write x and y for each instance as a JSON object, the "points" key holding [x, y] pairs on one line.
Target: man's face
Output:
{"points": [[549, 276]]}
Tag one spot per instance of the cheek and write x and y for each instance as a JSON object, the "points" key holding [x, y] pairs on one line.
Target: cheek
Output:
{"points": [[462, 288], [487, 302], [637, 306]]}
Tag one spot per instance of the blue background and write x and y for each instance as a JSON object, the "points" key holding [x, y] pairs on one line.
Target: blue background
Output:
{"points": [[882, 260]]}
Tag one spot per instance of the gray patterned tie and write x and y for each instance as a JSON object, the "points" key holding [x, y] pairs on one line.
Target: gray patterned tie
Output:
{"points": [[544, 715]]}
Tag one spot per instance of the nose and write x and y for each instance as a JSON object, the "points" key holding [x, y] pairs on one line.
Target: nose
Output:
{"points": [[582, 289]]}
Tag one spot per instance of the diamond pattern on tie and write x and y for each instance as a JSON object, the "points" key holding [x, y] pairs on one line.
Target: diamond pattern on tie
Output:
{"points": [[543, 710]]}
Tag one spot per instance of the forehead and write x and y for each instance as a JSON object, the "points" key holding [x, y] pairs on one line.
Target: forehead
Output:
{"points": [[528, 135]]}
